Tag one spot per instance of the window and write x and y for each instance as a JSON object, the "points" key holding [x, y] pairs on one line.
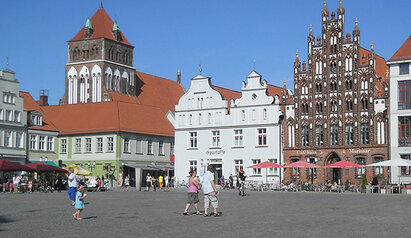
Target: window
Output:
{"points": [[50, 142], [318, 88], [238, 137], [199, 119], [273, 171], [319, 108], [365, 137], [348, 85], [35, 120], [9, 98], [88, 145], [9, 115], [404, 68], [348, 105], [349, 134], [359, 172], [17, 116], [262, 136], [150, 147], [304, 107], [334, 135], [193, 165], [33, 142], [364, 104], [63, 148], [305, 136], [333, 86], [215, 138], [42, 142], [171, 148], [406, 170], [238, 164], [404, 126], [78, 145], [312, 173], [264, 114], [193, 139], [1, 114], [333, 68], [334, 107], [295, 172], [256, 171], [378, 170], [110, 144], [19, 140], [209, 118], [99, 144], [139, 147], [7, 139], [126, 145], [161, 148], [404, 95], [319, 136], [243, 115]]}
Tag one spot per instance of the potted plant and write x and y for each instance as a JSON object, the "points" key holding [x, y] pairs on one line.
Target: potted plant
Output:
{"points": [[363, 184]]}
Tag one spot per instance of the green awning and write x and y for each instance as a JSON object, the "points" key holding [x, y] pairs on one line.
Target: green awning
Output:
{"points": [[46, 162]]}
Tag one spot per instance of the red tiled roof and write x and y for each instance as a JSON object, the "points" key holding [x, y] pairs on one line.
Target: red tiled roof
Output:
{"points": [[275, 90], [158, 92], [31, 105], [404, 52], [116, 96], [102, 28], [381, 69], [228, 94], [109, 116]]}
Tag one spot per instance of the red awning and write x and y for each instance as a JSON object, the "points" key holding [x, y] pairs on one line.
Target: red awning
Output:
{"points": [[42, 167], [344, 164], [6, 165], [172, 158], [266, 164], [301, 164]]}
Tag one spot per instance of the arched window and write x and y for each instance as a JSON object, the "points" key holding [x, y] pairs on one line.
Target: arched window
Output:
{"points": [[264, 114], [334, 106], [404, 125], [319, 108], [348, 85], [319, 88], [333, 86], [304, 108], [348, 105], [333, 67], [364, 104]]}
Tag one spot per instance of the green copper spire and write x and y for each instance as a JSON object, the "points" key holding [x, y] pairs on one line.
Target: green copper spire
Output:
{"points": [[115, 26], [88, 24]]}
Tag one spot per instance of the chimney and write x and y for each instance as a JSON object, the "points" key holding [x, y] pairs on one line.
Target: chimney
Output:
{"points": [[44, 95], [178, 76]]}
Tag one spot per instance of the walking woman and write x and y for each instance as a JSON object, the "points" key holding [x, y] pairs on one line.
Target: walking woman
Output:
{"points": [[192, 193]]}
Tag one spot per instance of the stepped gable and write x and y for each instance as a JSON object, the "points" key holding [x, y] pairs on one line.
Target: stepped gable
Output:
{"points": [[158, 92], [102, 28], [403, 53], [31, 105]]}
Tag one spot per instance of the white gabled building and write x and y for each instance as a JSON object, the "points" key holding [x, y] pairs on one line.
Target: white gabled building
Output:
{"points": [[400, 110], [228, 129]]}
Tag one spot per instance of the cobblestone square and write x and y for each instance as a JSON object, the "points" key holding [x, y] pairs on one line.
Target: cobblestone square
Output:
{"points": [[159, 214]]}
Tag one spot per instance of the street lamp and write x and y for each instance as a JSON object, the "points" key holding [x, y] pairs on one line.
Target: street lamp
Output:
{"points": [[91, 166]]}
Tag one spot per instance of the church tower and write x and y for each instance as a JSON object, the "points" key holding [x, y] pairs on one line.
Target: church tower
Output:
{"points": [[100, 58]]}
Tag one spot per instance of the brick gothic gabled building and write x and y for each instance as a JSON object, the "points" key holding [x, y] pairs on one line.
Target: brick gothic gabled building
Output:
{"points": [[339, 107], [100, 58]]}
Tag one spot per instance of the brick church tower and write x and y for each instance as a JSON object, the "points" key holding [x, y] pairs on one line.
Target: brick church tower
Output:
{"points": [[100, 58], [339, 107]]}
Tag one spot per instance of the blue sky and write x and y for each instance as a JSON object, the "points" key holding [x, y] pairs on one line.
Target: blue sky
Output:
{"points": [[223, 36]]}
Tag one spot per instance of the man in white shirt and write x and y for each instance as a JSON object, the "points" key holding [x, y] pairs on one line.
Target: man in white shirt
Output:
{"points": [[72, 185], [210, 191]]}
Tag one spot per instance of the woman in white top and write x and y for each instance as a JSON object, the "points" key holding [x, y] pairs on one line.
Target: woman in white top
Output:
{"points": [[148, 182]]}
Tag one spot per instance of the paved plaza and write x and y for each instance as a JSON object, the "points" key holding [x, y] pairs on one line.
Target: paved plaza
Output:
{"points": [[158, 214]]}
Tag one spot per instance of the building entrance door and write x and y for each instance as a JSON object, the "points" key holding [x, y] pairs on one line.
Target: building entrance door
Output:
{"points": [[335, 173], [218, 172]]}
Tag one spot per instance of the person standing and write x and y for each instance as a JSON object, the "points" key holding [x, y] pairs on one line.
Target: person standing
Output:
{"points": [[59, 183], [126, 182], [166, 183], [16, 183], [72, 185], [148, 182], [160, 181], [231, 181], [192, 192], [210, 192]]}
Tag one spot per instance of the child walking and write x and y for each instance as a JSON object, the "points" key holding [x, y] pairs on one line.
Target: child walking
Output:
{"points": [[79, 206]]}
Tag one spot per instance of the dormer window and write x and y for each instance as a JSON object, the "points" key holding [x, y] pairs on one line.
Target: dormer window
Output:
{"points": [[35, 120]]}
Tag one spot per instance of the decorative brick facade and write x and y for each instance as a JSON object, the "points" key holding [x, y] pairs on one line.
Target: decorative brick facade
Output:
{"points": [[340, 105]]}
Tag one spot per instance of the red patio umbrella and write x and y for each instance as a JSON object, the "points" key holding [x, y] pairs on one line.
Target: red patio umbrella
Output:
{"points": [[344, 164], [301, 164], [42, 167], [6, 165], [266, 164]]}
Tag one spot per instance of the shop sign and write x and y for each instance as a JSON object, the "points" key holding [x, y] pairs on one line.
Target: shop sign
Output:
{"points": [[215, 152]]}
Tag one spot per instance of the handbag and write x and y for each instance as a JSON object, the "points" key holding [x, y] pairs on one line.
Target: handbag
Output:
{"points": [[199, 186]]}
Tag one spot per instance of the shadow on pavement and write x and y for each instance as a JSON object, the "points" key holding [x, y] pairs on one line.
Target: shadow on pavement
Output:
{"points": [[4, 220], [91, 217]]}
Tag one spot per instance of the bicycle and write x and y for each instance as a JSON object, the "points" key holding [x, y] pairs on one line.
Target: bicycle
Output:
{"points": [[241, 189], [45, 189]]}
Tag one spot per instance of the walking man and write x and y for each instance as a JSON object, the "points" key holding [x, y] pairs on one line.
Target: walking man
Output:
{"points": [[210, 192], [72, 185]]}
